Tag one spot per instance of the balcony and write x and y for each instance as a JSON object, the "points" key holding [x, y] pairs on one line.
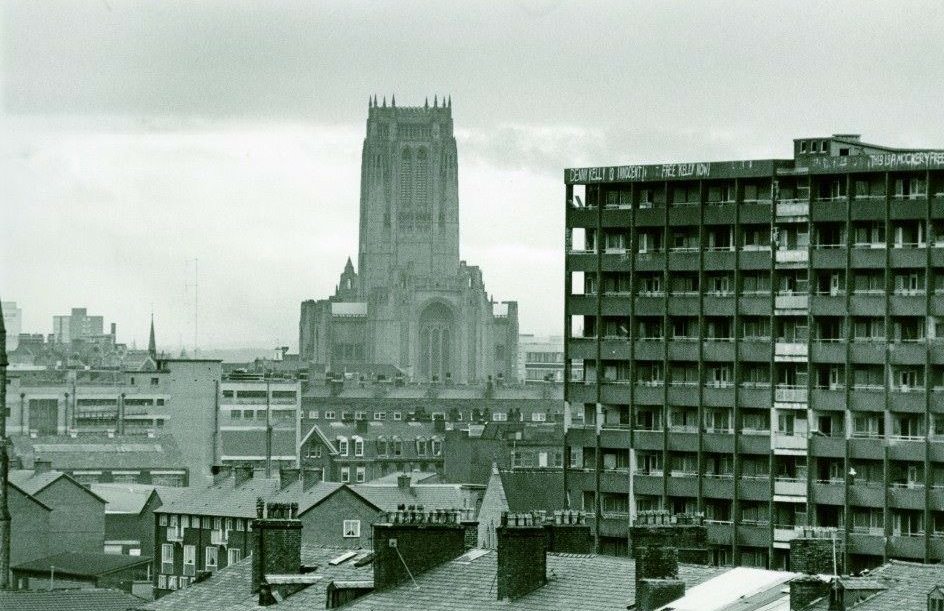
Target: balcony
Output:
{"points": [[791, 304], [828, 351], [785, 534], [789, 444], [826, 446], [790, 486], [720, 532], [868, 544], [906, 495], [790, 394], [791, 352], [828, 492], [754, 488], [795, 256], [648, 440], [794, 208], [907, 545], [647, 483]]}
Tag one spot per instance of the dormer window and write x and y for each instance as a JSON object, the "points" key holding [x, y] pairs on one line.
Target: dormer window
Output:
{"points": [[803, 146], [342, 446]]}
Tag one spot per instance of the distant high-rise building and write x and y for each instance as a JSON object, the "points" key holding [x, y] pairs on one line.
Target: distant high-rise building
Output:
{"points": [[77, 326], [13, 321], [413, 303]]}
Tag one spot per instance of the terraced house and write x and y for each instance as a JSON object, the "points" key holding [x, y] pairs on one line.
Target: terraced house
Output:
{"points": [[761, 341]]}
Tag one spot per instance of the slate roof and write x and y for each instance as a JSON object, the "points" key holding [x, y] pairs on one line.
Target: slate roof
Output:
{"points": [[383, 497], [82, 564], [534, 489], [91, 599], [430, 496], [131, 498], [101, 451], [33, 483], [575, 582], [416, 477], [228, 589], [906, 587], [223, 499]]}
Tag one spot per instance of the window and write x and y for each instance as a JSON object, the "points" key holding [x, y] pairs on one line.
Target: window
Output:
{"points": [[217, 523], [171, 582], [342, 446], [167, 557], [360, 415], [345, 474], [315, 452], [162, 582], [313, 414], [162, 520], [329, 415], [345, 415], [233, 555], [352, 529], [361, 474], [421, 447], [155, 381], [436, 446], [239, 525], [190, 560], [499, 416], [538, 417], [358, 446], [397, 416], [380, 415], [212, 555]]}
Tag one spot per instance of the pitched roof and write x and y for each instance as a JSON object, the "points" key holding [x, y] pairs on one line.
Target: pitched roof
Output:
{"points": [[534, 489], [906, 586], [737, 589], [574, 582], [222, 499], [228, 589], [307, 499], [416, 477], [131, 498], [98, 451], [82, 564], [90, 599], [32, 483], [430, 496]]}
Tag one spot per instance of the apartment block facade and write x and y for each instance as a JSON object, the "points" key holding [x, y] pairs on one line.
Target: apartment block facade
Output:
{"points": [[762, 342]]}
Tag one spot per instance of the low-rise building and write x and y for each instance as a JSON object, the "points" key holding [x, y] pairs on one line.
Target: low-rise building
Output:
{"points": [[206, 528], [76, 514], [68, 570], [336, 514], [129, 515], [259, 420], [29, 525], [469, 453], [105, 457], [85, 599], [363, 450]]}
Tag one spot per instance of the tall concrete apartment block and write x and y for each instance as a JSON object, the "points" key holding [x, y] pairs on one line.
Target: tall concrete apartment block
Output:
{"points": [[761, 341], [412, 303]]}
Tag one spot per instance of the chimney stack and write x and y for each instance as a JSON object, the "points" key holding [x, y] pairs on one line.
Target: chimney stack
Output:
{"points": [[310, 477], [276, 541], [42, 465], [815, 551], [243, 474], [657, 581], [221, 473], [407, 543], [405, 482], [569, 533], [522, 555], [804, 590], [288, 476]]}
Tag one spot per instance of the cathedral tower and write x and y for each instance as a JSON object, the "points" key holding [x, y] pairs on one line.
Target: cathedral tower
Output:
{"points": [[409, 208]]}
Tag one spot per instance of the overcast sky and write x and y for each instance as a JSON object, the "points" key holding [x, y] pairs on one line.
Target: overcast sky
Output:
{"points": [[135, 136]]}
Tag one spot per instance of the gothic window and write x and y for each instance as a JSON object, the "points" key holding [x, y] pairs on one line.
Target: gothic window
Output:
{"points": [[421, 204], [405, 199]]}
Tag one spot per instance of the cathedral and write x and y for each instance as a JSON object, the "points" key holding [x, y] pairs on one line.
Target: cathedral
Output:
{"points": [[411, 303]]}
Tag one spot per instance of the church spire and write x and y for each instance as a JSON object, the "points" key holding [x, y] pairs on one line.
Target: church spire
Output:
{"points": [[393, 100], [152, 345]]}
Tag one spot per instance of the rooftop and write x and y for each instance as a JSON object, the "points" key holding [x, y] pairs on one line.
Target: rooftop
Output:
{"points": [[95, 451], [224, 498], [131, 498], [90, 599], [529, 490], [904, 585], [574, 582], [33, 483], [229, 589], [82, 564]]}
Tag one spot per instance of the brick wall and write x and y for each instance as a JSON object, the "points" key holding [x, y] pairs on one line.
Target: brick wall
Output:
{"points": [[324, 523], [276, 548], [421, 546], [522, 560], [654, 593], [569, 538], [691, 540], [814, 555]]}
